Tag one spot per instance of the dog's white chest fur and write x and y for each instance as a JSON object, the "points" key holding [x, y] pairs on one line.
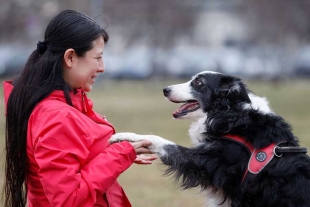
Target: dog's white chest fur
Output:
{"points": [[216, 199], [196, 129]]}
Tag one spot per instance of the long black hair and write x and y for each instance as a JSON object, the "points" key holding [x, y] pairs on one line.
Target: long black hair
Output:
{"points": [[43, 73]]}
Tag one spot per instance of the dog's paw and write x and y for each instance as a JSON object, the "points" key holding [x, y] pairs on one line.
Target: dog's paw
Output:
{"points": [[125, 136], [157, 145]]}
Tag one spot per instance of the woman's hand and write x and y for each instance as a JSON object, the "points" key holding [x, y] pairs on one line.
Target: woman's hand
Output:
{"points": [[141, 148], [145, 160]]}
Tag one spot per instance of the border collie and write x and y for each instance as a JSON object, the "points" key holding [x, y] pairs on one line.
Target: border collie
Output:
{"points": [[244, 155]]}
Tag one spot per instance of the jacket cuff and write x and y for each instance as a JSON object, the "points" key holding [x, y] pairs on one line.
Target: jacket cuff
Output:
{"points": [[125, 147]]}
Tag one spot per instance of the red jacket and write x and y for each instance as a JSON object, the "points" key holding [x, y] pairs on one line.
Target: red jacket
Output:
{"points": [[70, 160]]}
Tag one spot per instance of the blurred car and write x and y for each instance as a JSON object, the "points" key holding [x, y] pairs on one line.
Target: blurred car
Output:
{"points": [[134, 63], [184, 62], [301, 63], [263, 63], [12, 60]]}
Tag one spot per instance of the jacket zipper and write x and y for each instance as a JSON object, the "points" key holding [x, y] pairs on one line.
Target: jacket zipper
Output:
{"points": [[83, 103]]}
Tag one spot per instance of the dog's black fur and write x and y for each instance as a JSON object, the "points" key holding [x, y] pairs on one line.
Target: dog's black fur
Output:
{"points": [[220, 164]]}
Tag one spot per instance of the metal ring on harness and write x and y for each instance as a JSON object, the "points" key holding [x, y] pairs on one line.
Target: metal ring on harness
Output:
{"points": [[274, 152]]}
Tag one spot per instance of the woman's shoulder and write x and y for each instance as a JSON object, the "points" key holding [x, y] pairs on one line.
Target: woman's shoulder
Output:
{"points": [[49, 113], [48, 105], [53, 107]]}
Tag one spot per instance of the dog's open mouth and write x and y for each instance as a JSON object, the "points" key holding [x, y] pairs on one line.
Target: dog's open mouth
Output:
{"points": [[186, 108]]}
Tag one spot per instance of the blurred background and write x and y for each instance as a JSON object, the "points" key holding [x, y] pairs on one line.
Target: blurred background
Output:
{"points": [[158, 43], [266, 39]]}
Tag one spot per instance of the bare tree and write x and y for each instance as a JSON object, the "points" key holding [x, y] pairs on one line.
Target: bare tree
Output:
{"points": [[160, 21], [279, 22]]}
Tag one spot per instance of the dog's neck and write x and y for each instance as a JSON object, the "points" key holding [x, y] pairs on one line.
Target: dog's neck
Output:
{"points": [[199, 118], [196, 129]]}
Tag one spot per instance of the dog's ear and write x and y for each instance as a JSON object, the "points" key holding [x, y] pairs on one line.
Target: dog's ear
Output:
{"points": [[243, 92], [232, 91], [232, 87], [228, 98]]}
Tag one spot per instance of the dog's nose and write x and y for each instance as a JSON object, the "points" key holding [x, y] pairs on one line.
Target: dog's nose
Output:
{"points": [[167, 91]]}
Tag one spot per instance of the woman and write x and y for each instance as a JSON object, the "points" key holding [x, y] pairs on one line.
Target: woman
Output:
{"points": [[57, 151]]}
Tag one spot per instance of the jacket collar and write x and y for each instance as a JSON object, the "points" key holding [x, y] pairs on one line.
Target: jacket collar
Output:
{"points": [[79, 98], [7, 87]]}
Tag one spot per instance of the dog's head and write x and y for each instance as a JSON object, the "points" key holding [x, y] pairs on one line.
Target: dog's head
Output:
{"points": [[211, 91]]}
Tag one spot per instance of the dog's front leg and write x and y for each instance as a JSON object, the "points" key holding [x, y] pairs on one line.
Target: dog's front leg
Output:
{"points": [[156, 147]]}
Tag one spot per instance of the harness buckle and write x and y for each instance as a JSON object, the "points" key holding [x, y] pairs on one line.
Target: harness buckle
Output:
{"points": [[274, 151]]}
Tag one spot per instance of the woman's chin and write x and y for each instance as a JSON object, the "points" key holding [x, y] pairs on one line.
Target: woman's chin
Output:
{"points": [[87, 88]]}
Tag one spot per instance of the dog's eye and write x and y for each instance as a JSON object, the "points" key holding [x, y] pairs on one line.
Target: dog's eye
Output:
{"points": [[197, 82]]}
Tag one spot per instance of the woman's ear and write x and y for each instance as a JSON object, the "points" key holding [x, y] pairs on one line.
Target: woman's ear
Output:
{"points": [[69, 57]]}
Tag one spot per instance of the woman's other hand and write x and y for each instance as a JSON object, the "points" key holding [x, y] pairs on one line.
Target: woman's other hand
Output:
{"points": [[141, 148], [145, 160]]}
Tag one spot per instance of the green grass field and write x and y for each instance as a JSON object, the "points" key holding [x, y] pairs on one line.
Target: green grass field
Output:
{"points": [[140, 107]]}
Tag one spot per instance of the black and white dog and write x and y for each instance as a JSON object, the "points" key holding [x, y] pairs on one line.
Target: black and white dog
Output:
{"points": [[244, 155]]}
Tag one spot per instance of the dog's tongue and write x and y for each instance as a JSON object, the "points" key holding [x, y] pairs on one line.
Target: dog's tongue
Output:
{"points": [[185, 108]]}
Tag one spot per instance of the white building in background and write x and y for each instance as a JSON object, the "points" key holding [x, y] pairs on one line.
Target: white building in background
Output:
{"points": [[215, 28]]}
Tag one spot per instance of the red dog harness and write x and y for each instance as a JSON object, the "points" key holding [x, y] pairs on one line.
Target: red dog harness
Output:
{"points": [[258, 161], [259, 157]]}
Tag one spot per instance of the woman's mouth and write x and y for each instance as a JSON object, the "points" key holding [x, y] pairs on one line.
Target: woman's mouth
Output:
{"points": [[93, 78]]}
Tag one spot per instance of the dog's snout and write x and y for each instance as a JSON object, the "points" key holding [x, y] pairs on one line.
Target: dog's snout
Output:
{"points": [[166, 91]]}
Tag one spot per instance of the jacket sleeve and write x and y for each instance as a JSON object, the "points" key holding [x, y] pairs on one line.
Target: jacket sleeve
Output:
{"points": [[61, 149]]}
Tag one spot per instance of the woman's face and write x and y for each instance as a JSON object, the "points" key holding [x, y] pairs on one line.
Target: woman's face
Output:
{"points": [[82, 71]]}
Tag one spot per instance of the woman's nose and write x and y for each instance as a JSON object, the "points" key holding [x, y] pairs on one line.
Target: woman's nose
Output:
{"points": [[101, 67]]}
